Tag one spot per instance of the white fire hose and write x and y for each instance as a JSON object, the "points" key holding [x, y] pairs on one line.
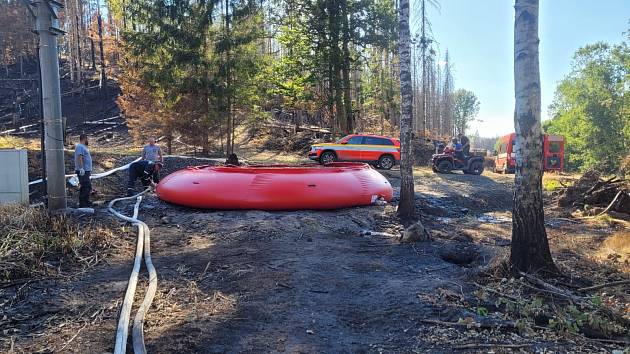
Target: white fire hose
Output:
{"points": [[94, 176], [144, 243], [143, 248]]}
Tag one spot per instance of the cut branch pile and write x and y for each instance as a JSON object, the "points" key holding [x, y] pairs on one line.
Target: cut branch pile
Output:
{"points": [[593, 195], [532, 303]]}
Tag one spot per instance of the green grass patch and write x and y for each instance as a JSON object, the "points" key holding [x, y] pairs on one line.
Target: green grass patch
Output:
{"points": [[551, 184]]}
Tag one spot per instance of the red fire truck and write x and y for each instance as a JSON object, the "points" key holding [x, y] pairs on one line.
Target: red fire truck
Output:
{"points": [[505, 153]]}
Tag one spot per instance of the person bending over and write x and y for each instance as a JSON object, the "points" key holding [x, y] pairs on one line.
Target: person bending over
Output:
{"points": [[146, 171]]}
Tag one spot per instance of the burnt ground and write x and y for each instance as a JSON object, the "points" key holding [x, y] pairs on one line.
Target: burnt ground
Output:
{"points": [[299, 282]]}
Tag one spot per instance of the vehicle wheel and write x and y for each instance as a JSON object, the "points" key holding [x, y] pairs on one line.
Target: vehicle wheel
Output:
{"points": [[386, 162], [444, 166], [327, 157], [476, 168]]}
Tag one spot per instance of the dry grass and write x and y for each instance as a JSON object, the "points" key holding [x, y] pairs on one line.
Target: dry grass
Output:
{"points": [[11, 142], [616, 249], [35, 243]]}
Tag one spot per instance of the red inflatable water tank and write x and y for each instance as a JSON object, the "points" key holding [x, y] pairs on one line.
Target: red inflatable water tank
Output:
{"points": [[275, 187]]}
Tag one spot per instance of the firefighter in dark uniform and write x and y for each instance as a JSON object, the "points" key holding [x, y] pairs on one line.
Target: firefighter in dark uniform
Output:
{"points": [[146, 171]]}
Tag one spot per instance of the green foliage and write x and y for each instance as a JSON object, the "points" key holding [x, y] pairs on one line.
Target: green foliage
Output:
{"points": [[322, 43], [481, 311], [380, 88], [197, 65], [552, 184], [466, 109], [289, 79], [592, 108], [562, 316]]}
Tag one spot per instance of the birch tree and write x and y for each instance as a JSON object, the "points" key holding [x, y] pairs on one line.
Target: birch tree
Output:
{"points": [[406, 204], [530, 247], [465, 109]]}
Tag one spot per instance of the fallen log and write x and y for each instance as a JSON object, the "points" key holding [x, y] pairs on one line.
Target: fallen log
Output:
{"points": [[608, 207], [492, 345], [18, 128], [542, 285], [102, 123], [605, 285]]}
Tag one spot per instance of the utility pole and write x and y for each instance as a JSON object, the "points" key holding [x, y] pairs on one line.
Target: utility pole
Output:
{"points": [[46, 26]]}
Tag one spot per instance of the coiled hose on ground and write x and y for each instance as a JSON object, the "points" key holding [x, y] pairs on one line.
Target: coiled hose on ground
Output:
{"points": [[143, 244]]}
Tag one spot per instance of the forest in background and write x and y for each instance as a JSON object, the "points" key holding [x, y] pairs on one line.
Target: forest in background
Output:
{"points": [[592, 108], [196, 70]]}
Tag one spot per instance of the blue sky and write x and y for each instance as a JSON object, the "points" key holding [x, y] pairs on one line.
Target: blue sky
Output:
{"points": [[479, 37]]}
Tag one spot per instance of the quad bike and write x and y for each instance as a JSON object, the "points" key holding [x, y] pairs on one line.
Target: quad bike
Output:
{"points": [[446, 162]]}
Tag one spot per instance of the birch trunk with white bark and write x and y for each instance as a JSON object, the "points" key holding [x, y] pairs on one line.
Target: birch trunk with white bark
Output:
{"points": [[406, 205], [530, 247]]}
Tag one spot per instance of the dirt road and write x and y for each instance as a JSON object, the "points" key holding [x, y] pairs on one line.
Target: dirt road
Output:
{"points": [[296, 282]]}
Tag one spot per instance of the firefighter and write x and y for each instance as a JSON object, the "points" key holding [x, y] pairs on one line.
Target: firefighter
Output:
{"points": [[146, 171]]}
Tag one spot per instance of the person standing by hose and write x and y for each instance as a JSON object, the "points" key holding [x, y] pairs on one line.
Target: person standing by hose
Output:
{"points": [[83, 169], [152, 152]]}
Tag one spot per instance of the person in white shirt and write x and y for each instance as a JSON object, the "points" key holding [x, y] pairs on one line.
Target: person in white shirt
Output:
{"points": [[83, 169], [152, 152]]}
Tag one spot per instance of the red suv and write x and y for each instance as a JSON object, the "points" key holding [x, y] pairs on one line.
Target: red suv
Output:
{"points": [[382, 151]]}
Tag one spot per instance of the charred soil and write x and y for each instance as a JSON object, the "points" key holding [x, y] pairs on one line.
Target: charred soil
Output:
{"points": [[321, 281]]}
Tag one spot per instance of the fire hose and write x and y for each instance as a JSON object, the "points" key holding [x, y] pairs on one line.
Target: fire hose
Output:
{"points": [[143, 249], [143, 246]]}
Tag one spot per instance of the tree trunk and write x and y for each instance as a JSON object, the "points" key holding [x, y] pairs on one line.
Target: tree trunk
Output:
{"points": [[78, 27], [346, 67], [406, 207], [331, 101], [530, 248], [103, 79], [359, 98], [423, 61], [230, 118], [335, 59], [93, 53]]}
